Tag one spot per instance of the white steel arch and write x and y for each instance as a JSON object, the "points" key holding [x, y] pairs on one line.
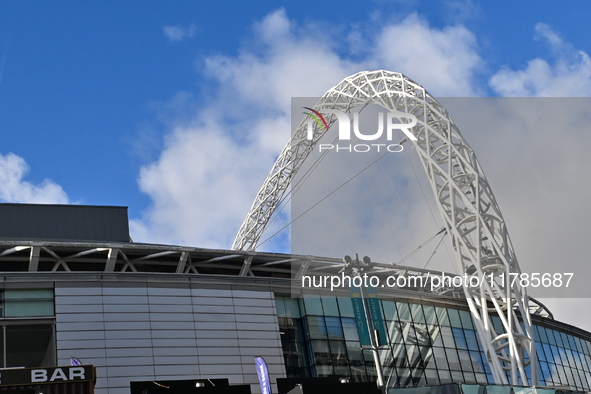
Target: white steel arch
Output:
{"points": [[477, 229]]}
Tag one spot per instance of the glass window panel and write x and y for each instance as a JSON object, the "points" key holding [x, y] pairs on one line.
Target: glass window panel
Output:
{"points": [[578, 344], [394, 332], [442, 316], [430, 316], [466, 320], [435, 334], [422, 334], [457, 376], [28, 302], [417, 313], [571, 341], [465, 360], [558, 338], [403, 312], [329, 304], [452, 359], [316, 327], [444, 376], [404, 378], [469, 377], [334, 328], [399, 353], [408, 332], [389, 310], [350, 329], [460, 339], [358, 373], [471, 340], [341, 370], [427, 356], [280, 306], [321, 352], [324, 370], [481, 378], [418, 377], [440, 358], [312, 305], [477, 364], [485, 363], [564, 339], [549, 335], [414, 356], [556, 354], [345, 307], [354, 353], [548, 353], [454, 318], [432, 377], [540, 351], [448, 337], [541, 334], [561, 374], [338, 352], [292, 308], [30, 346]]}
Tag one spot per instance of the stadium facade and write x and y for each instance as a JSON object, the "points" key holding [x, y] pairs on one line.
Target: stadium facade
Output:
{"points": [[73, 285]]}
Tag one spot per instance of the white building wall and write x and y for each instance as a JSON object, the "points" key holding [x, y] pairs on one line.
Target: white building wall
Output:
{"points": [[167, 333]]}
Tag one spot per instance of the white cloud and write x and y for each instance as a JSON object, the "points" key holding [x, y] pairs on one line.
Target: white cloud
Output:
{"points": [[178, 32], [569, 75], [13, 188], [211, 167]]}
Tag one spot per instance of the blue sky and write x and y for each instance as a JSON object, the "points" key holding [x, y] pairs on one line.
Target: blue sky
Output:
{"points": [[123, 103]]}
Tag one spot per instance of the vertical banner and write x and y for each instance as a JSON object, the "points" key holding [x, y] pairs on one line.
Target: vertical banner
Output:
{"points": [[263, 374], [360, 319], [375, 311]]}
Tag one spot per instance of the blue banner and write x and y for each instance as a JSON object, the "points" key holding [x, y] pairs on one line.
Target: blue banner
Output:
{"points": [[360, 319], [375, 311], [263, 373]]}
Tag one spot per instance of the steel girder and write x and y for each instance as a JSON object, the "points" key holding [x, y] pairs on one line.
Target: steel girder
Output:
{"points": [[477, 230]]}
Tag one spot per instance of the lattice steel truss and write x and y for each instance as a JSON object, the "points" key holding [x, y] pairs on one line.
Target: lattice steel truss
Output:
{"points": [[466, 202]]}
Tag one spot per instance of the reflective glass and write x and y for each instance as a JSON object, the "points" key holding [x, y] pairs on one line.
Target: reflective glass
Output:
{"points": [[399, 353], [414, 356], [403, 312], [465, 360], [440, 358], [312, 305], [350, 329], [444, 376], [430, 316], [292, 308], [471, 339], [345, 307], [316, 327], [416, 311], [448, 337], [452, 359], [389, 310], [321, 352], [338, 352], [432, 377], [442, 316], [394, 332], [466, 320], [422, 335], [460, 339], [454, 318], [435, 334], [477, 364], [329, 305], [333, 327]]}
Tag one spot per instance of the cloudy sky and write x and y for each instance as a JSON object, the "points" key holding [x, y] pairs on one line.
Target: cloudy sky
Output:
{"points": [[178, 110]]}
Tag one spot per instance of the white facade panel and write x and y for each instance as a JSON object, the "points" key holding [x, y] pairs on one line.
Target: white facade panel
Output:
{"points": [[147, 332]]}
